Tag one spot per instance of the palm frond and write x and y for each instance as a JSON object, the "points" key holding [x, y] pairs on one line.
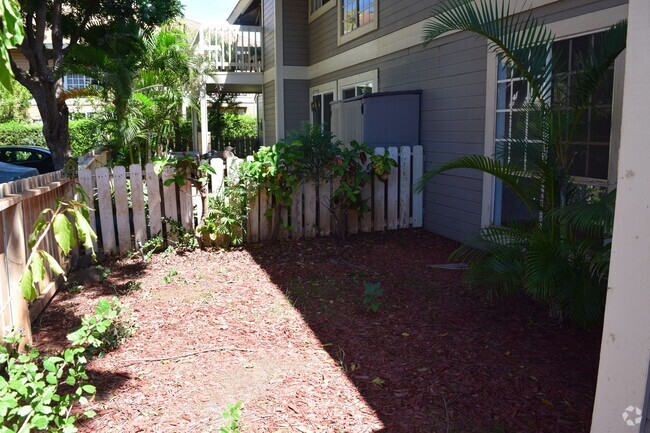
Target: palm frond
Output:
{"points": [[509, 174], [519, 37]]}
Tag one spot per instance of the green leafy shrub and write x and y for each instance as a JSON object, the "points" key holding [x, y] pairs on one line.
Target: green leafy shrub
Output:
{"points": [[70, 225], [238, 126], [21, 134], [14, 103], [232, 415], [85, 135], [38, 392], [371, 294], [354, 166]]}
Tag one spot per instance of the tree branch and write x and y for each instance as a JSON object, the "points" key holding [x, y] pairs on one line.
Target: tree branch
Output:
{"points": [[186, 355], [90, 11], [57, 36]]}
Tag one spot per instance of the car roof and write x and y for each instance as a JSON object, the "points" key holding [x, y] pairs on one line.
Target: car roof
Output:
{"points": [[37, 148]]}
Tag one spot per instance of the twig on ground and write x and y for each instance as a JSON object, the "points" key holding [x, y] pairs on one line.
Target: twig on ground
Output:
{"points": [[444, 400], [186, 355]]}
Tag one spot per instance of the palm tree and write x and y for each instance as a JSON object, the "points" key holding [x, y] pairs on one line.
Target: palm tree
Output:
{"points": [[558, 256]]}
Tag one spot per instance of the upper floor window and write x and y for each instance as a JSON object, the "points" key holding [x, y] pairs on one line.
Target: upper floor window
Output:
{"points": [[317, 4], [76, 81], [319, 7], [356, 18], [357, 13]]}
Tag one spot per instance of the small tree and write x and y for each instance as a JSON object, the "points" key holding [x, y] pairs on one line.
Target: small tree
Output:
{"points": [[72, 24]]}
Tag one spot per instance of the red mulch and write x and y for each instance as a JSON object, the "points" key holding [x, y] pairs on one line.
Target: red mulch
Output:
{"points": [[302, 354]]}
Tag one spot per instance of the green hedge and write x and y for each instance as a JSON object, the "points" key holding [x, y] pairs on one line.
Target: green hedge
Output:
{"points": [[85, 135]]}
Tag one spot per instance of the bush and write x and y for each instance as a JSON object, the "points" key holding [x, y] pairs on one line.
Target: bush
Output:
{"points": [[21, 134], [38, 392], [85, 135], [238, 126]]}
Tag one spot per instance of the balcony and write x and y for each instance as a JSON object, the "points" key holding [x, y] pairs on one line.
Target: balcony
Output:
{"points": [[234, 57]]}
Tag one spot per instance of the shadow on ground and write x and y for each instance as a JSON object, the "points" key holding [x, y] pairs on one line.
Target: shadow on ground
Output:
{"points": [[436, 356]]}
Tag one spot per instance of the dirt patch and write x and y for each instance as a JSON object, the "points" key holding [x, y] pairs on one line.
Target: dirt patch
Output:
{"points": [[283, 329]]}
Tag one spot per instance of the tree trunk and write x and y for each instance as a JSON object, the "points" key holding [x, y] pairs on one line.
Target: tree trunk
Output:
{"points": [[55, 115]]}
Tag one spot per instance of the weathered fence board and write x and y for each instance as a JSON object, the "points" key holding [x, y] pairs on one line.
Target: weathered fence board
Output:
{"points": [[87, 183], [324, 197], [122, 210], [379, 200], [186, 210], [392, 218], [254, 220], [106, 210], [418, 168], [21, 203], [404, 186], [137, 198], [296, 214], [217, 178], [154, 200], [310, 203]]}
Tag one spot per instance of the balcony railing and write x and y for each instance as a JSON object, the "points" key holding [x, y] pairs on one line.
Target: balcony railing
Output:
{"points": [[232, 49]]}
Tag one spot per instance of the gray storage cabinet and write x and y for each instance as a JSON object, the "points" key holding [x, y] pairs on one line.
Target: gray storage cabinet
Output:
{"points": [[379, 119]]}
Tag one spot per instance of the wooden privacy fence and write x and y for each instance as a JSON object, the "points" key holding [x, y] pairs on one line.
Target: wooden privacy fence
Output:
{"points": [[130, 206], [394, 204], [21, 202], [241, 146]]}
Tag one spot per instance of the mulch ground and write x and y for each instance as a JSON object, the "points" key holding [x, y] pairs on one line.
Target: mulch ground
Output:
{"points": [[282, 328]]}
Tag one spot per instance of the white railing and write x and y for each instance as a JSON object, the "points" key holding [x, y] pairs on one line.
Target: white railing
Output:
{"points": [[232, 49]]}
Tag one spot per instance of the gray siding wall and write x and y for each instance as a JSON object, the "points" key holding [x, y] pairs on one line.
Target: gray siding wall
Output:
{"points": [[451, 72], [269, 113], [296, 104], [268, 21], [295, 25]]}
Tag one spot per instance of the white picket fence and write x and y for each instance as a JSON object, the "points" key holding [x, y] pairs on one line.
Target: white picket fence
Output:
{"points": [[122, 219]]}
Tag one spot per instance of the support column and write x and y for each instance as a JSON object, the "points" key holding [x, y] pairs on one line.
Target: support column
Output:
{"points": [[622, 392], [205, 145], [279, 71], [195, 131]]}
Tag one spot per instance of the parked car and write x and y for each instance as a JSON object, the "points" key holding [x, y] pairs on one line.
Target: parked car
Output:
{"points": [[10, 172], [28, 156]]}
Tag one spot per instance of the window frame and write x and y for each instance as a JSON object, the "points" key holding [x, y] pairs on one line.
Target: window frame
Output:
{"points": [[323, 89], [370, 77], [66, 81], [565, 29], [360, 30], [315, 14]]}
